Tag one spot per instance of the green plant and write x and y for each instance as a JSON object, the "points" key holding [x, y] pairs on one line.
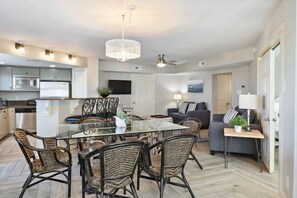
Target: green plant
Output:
{"points": [[104, 91], [124, 116], [238, 121]]}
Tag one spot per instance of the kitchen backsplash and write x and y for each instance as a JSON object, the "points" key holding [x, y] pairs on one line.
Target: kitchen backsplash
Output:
{"points": [[19, 95]]}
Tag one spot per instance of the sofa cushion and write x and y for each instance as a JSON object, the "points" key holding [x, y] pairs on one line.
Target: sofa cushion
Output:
{"points": [[192, 107], [243, 113], [229, 115], [183, 107], [201, 106]]}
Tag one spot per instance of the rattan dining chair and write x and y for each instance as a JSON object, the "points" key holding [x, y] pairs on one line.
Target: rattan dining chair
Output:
{"points": [[174, 152], [194, 125], [52, 159], [113, 170]]}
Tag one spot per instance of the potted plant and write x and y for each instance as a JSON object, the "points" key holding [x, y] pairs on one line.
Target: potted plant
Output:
{"points": [[104, 92], [238, 122], [122, 119]]}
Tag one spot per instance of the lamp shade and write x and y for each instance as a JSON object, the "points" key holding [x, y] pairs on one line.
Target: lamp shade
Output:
{"points": [[177, 97], [248, 101], [122, 49]]}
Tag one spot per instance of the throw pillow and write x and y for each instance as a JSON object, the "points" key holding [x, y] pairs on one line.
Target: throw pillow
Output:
{"points": [[229, 115], [183, 108], [201, 106], [192, 107]]}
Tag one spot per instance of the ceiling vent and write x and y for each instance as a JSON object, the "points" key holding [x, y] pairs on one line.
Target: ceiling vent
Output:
{"points": [[201, 63], [137, 67]]}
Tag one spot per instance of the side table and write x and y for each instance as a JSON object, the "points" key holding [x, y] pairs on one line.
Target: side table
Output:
{"points": [[255, 134]]}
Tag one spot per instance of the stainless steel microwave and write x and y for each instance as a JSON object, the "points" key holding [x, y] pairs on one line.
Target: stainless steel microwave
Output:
{"points": [[26, 83]]}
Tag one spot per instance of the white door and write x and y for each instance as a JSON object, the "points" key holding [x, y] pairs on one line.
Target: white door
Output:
{"points": [[266, 92], [223, 92], [143, 95]]}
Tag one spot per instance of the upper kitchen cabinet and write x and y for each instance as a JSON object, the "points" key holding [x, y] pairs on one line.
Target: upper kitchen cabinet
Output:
{"points": [[55, 74], [25, 71], [5, 78]]}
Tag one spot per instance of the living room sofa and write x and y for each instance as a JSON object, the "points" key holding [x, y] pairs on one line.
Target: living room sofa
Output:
{"points": [[200, 112], [238, 145]]}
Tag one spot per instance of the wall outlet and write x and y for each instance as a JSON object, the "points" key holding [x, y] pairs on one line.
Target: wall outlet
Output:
{"points": [[137, 67], [201, 63]]}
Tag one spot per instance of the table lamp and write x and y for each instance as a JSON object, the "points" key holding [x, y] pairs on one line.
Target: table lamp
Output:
{"points": [[178, 98], [248, 101]]}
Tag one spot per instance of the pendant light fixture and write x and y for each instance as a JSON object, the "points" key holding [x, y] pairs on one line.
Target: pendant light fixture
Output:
{"points": [[123, 49]]}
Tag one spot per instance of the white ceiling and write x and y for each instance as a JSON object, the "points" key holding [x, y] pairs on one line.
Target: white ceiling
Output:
{"points": [[184, 30]]}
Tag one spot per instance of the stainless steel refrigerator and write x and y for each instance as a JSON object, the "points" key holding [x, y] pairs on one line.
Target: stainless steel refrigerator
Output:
{"points": [[50, 89]]}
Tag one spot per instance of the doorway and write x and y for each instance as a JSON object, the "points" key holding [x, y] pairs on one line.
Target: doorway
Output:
{"points": [[269, 70], [143, 94], [222, 88]]}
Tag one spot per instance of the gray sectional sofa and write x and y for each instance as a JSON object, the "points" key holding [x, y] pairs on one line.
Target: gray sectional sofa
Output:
{"points": [[238, 145], [200, 112]]}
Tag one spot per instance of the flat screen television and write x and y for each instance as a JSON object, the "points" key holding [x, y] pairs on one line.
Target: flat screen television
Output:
{"points": [[120, 86]]}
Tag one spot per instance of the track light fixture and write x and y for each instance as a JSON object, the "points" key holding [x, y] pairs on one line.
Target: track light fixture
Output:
{"points": [[72, 57], [20, 47], [49, 53]]}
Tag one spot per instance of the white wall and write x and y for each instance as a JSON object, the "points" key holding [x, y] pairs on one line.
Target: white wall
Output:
{"points": [[240, 76], [286, 14], [125, 100]]}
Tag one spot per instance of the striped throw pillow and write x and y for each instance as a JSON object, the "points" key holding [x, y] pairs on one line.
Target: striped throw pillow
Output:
{"points": [[183, 108], [230, 114], [192, 107]]}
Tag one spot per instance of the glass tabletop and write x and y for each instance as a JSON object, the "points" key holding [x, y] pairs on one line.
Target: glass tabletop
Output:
{"points": [[73, 131]]}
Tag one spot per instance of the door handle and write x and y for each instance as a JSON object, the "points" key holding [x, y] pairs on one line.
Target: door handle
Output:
{"points": [[274, 119], [267, 119], [227, 103], [133, 102]]}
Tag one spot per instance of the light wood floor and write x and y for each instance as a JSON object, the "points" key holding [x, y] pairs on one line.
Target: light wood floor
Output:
{"points": [[241, 179]]}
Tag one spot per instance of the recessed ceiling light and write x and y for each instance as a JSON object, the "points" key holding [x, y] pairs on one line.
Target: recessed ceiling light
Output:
{"points": [[2, 63], [52, 65]]}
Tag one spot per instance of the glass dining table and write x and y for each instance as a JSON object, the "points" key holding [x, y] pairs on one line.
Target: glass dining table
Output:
{"points": [[139, 127]]}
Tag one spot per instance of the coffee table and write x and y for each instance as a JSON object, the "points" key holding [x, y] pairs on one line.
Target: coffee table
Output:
{"points": [[255, 134]]}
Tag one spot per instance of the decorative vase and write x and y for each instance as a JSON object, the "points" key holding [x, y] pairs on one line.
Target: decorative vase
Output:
{"points": [[104, 95], [237, 128], [120, 122], [120, 130]]}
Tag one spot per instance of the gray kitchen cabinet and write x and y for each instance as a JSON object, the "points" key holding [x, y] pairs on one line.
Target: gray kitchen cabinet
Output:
{"points": [[25, 71], [3, 123], [5, 78], [55, 74]]}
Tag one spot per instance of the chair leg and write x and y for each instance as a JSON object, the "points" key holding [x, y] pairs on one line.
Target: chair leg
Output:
{"points": [[69, 182], [196, 160], [162, 187], [26, 184], [138, 176], [132, 186], [187, 184]]}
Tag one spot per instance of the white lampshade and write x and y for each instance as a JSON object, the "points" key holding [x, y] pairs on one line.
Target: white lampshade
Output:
{"points": [[122, 49], [248, 101], [177, 97]]}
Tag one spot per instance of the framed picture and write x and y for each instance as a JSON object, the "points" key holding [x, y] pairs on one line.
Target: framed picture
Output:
{"points": [[195, 86]]}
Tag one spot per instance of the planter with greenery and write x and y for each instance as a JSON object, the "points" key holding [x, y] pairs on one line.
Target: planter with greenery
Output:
{"points": [[104, 92], [238, 122]]}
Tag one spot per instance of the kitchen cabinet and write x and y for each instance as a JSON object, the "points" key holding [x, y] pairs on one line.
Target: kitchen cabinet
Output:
{"points": [[5, 78], [3, 123], [25, 71], [55, 74], [11, 119]]}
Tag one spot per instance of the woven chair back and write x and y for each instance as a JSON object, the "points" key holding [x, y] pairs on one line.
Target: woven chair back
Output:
{"points": [[177, 150], [117, 161], [21, 137], [193, 124]]}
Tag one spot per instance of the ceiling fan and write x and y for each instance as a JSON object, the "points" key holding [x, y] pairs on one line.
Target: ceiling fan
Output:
{"points": [[161, 62]]}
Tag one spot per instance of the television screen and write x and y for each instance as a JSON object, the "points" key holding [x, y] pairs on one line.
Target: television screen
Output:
{"points": [[120, 86]]}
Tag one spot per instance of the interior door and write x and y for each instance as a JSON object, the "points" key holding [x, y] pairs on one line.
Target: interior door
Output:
{"points": [[143, 95], [223, 92], [266, 92]]}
